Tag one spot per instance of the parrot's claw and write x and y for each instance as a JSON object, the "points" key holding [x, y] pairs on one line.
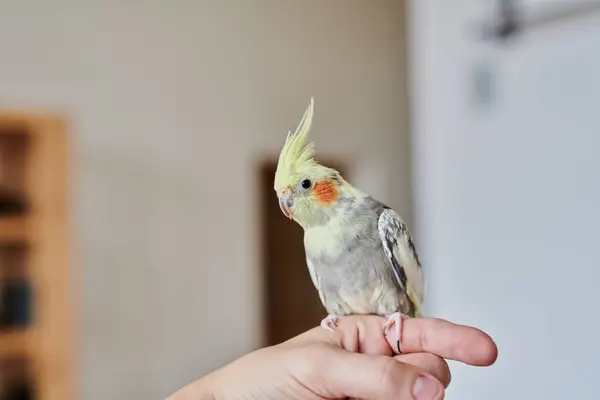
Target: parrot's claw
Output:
{"points": [[395, 318], [328, 321]]}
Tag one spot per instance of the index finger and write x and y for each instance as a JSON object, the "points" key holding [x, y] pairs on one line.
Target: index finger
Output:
{"points": [[445, 339], [364, 334]]}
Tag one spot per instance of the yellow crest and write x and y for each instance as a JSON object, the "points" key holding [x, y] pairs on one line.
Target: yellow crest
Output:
{"points": [[296, 152]]}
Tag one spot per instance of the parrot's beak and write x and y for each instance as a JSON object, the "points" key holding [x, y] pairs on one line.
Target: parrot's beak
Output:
{"points": [[285, 203]]}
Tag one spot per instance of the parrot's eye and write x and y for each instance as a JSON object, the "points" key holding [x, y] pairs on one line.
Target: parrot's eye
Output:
{"points": [[306, 184]]}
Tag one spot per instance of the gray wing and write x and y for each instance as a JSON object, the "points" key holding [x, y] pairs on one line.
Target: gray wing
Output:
{"points": [[316, 279], [400, 251]]}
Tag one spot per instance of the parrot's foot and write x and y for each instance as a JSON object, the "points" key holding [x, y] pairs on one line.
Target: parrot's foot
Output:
{"points": [[328, 321], [394, 319]]}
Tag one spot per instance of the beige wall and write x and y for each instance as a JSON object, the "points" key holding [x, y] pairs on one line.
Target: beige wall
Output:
{"points": [[172, 105]]}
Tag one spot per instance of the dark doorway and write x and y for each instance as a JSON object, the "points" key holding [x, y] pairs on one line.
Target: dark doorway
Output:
{"points": [[291, 300]]}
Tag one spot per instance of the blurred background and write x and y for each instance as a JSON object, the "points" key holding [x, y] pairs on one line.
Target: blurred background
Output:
{"points": [[140, 242]]}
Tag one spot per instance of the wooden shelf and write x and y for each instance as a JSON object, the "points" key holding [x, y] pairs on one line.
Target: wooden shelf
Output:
{"points": [[13, 229], [34, 244], [14, 344]]}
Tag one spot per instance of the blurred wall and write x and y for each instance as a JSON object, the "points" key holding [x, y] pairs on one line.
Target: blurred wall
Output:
{"points": [[507, 188], [172, 106]]}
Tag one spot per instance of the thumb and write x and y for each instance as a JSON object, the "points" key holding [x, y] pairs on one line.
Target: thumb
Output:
{"points": [[366, 377]]}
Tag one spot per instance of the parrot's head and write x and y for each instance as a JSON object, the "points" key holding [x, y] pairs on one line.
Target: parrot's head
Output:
{"points": [[308, 191]]}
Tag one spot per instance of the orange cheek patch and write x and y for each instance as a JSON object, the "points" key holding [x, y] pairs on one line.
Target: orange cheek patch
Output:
{"points": [[326, 192]]}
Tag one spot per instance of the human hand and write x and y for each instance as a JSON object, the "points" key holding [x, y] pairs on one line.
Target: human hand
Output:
{"points": [[354, 361]]}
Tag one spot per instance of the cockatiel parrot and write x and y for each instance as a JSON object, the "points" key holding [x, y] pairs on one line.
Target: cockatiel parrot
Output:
{"points": [[359, 252]]}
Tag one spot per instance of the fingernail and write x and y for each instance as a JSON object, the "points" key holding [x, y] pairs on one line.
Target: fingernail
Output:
{"points": [[427, 388]]}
